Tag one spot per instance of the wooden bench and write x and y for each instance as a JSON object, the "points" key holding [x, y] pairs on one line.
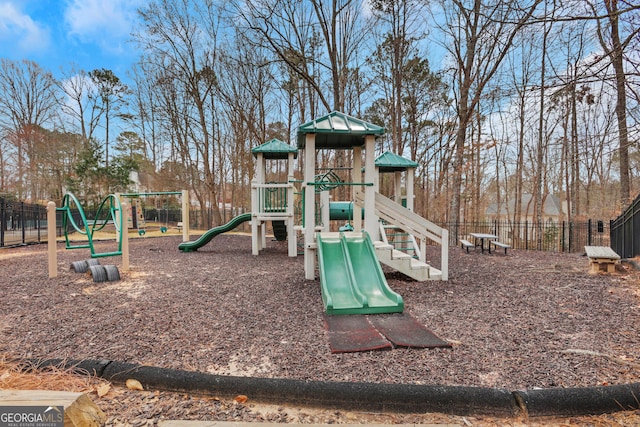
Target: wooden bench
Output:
{"points": [[465, 244], [497, 245], [602, 256]]}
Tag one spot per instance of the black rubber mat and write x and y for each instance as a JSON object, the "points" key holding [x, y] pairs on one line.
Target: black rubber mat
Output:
{"points": [[403, 330], [353, 333]]}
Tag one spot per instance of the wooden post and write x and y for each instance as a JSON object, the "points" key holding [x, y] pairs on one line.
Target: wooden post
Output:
{"points": [[409, 190], [124, 228], [397, 187], [255, 211], [309, 207], [185, 215], [357, 177], [52, 245], [325, 211], [292, 238], [370, 218], [444, 254]]}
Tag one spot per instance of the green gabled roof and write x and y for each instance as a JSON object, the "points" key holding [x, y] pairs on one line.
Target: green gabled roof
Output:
{"points": [[391, 162], [274, 149], [338, 130]]}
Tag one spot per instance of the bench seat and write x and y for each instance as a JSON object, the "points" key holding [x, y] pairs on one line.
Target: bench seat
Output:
{"points": [[602, 256], [465, 244], [497, 244]]}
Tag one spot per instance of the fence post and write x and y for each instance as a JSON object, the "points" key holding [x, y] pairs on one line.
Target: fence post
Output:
{"points": [[3, 221], [589, 237], [37, 221], [23, 223]]}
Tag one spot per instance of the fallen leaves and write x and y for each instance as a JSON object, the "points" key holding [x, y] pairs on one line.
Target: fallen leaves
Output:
{"points": [[134, 384], [103, 389]]}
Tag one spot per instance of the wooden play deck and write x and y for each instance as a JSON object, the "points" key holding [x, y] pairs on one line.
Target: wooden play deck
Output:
{"points": [[602, 258]]}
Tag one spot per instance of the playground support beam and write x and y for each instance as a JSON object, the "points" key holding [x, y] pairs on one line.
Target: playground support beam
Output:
{"points": [[325, 214], [309, 207], [125, 236], [184, 194], [370, 219], [357, 177], [185, 215], [120, 222]]}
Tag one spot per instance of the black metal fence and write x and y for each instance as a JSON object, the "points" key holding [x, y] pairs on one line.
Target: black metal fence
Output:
{"points": [[553, 236], [22, 223], [625, 231], [200, 218]]}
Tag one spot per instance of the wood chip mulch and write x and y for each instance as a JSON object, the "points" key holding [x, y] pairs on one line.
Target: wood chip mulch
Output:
{"points": [[525, 320]]}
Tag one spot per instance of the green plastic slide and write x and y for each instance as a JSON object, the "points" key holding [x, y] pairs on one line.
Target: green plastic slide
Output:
{"points": [[351, 278], [210, 234]]}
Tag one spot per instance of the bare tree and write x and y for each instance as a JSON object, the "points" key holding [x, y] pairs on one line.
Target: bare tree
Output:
{"points": [[478, 37], [614, 45], [180, 39], [318, 41], [539, 189], [144, 108], [397, 58], [81, 102], [27, 102]]}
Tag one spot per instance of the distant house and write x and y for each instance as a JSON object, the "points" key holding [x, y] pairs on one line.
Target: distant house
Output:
{"points": [[552, 209], [140, 182]]}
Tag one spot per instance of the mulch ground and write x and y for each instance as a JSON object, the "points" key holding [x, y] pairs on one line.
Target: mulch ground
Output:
{"points": [[525, 320]]}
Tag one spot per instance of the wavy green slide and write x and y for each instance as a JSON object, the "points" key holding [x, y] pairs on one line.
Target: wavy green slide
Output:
{"points": [[210, 234], [351, 278]]}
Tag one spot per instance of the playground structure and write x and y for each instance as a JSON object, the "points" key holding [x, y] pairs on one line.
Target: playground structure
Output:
{"points": [[381, 231], [273, 201], [111, 211], [136, 211], [339, 131]]}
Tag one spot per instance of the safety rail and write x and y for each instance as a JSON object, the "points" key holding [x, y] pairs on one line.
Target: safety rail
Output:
{"points": [[272, 200], [412, 223], [403, 241]]}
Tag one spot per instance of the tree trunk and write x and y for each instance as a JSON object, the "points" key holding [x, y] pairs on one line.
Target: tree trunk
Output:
{"points": [[616, 55]]}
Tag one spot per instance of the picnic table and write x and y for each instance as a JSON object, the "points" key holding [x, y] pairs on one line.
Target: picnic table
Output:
{"points": [[492, 240], [482, 237]]}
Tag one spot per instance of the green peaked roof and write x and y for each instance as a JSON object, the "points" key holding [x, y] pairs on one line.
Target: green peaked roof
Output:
{"points": [[391, 162], [338, 130], [274, 149]]}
